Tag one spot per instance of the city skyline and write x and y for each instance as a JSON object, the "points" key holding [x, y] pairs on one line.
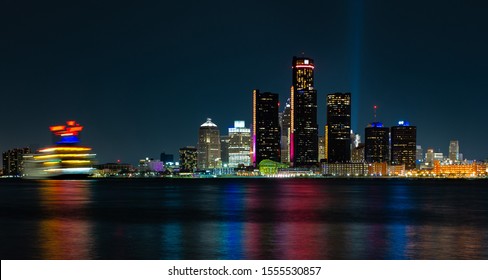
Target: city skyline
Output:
{"points": [[142, 82]]}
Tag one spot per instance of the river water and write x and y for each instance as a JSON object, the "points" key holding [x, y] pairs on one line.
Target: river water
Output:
{"points": [[251, 218]]}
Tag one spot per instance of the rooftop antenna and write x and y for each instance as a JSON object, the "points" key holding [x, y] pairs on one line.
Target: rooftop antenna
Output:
{"points": [[374, 112]]}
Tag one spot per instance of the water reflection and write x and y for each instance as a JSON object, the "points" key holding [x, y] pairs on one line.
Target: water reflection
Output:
{"points": [[64, 232], [246, 219], [231, 232]]}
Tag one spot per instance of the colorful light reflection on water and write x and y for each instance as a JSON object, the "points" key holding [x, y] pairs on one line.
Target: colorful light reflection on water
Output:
{"points": [[244, 219]]}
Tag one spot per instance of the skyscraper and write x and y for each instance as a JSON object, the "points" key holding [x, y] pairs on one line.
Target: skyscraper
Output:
{"points": [[285, 122], [239, 144], [377, 143], [303, 111], [404, 144], [224, 149], [188, 159], [338, 129], [208, 145], [454, 151], [265, 127]]}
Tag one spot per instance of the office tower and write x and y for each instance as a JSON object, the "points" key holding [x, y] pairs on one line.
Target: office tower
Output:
{"points": [[357, 153], [239, 145], [303, 111], [188, 159], [224, 149], [419, 154], [377, 143], [338, 127], [265, 128], [208, 146], [13, 161], [285, 122], [403, 145], [454, 151], [165, 158], [429, 157]]}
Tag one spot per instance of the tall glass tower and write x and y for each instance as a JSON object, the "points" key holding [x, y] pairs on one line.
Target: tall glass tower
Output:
{"points": [[208, 145], [303, 126], [377, 143], [239, 144], [338, 130], [404, 144], [454, 151], [285, 121], [265, 127]]}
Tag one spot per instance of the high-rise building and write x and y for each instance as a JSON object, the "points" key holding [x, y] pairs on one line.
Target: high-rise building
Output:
{"points": [[377, 143], [454, 151], [265, 127], [224, 149], [13, 161], [285, 122], [429, 157], [338, 127], [208, 146], [239, 145], [188, 159], [303, 112], [404, 145]]}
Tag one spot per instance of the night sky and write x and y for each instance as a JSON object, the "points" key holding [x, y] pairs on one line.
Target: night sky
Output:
{"points": [[142, 76]]}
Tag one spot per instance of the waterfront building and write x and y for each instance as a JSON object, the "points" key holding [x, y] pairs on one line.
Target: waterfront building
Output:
{"points": [[13, 161], [208, 149], [338, 128], [285, 124], [266, 133], [473, 169], [345, 169], [397, 170], [188, 159], [378, 169], [150, 166], [403, 144], [114, 169], [239, 145], [269, 167], [377, 143], [303, 112], [454, 151]]}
